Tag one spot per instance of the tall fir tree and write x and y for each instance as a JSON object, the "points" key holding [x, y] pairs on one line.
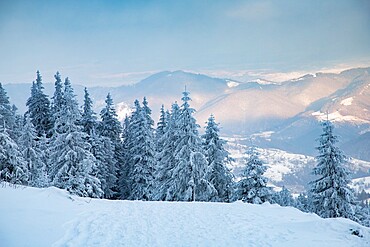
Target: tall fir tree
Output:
{"points": [[331, 195], [39, 108], [57, 101], [166, 157], [103, 150], [217, 157], [33, 156], [13, 168], [89, 119], [142, 153], [73, 166], [111, 128], [252, 188], [188, 182], [7, 118], [162, 123]]}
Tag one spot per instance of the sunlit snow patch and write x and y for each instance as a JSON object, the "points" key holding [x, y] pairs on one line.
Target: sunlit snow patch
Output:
{"points": [[347, 101]]}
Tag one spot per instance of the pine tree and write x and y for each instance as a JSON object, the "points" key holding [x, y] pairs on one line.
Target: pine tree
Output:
{"points": [[73, 167], [217, 157], [166, 157], [331, 196], [57, 101], [162, 123], [88, 120], [13, 168], [7, 119], [284, 198], [125, 168], [141, 153], [103, 151], [111, 128], [39, 108], [188, 182], [33, 156], [252, 188]]}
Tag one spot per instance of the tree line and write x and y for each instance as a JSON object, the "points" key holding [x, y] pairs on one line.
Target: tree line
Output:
{"points": [[57, 143]]}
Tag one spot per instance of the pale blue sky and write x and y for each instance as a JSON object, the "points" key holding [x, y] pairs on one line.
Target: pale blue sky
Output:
{"points": [[116, 42]]}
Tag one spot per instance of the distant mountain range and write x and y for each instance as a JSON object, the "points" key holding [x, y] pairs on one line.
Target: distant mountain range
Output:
{"points": [[272, 115]]}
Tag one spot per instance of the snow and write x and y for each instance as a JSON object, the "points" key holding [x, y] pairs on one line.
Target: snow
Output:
{"points": [[52, 217], [360, 184], [232, 84], [337, 117], [347, 101], [123, 110]]}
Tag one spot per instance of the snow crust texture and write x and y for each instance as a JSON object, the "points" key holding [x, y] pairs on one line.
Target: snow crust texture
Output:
{"points": [[52, 217]]}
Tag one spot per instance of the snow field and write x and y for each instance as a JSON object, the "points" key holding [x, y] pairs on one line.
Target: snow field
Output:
{"points": [[52, 217]]}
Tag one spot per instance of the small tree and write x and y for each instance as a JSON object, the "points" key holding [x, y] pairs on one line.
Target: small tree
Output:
{"points": [[252, 188], [331, 195]]}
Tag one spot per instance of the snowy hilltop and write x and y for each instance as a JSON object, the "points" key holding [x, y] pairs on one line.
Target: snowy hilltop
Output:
{"points": [[52, 217]]}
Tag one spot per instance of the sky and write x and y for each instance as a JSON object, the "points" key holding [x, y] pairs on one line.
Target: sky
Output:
{"points": [[121, 42]]}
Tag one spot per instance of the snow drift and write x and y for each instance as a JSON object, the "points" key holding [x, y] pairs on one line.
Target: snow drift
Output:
{"points": [[53, 217]]}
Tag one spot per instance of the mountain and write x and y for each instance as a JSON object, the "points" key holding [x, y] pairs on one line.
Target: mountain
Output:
{"points": [[289, 112], [53, 217]]}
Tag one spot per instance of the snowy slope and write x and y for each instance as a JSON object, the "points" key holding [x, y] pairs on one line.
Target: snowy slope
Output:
{"points": [[51, 217]]}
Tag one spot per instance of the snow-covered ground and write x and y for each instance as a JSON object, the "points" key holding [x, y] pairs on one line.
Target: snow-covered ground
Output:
{"points": [[52, 217]]}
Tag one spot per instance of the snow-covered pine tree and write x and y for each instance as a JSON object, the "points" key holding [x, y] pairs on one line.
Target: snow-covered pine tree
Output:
{"points": [[125, 169], [88, 120], [302, 203], [57, 99], [284, 198], [103, 151], [33, 156], [7, 118], [252, 188], [13, 168], [217, 157], [188, 181], [111, 127], [162, 123], [166, 157], [141, 152], [331, 195], [39, 108], [73, 167]]}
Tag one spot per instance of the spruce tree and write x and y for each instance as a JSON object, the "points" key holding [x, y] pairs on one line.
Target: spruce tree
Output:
{"points": [[7, 118], [88, 120], [166, 157], [188, 181], [217, 157], [252, 188], [331, 195], [57, 101], [162, 123], [111, 128], [39, 108], [33, 156], [73, 167], [141, 153], [103, 151], [13, 168], [284, 198]]}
